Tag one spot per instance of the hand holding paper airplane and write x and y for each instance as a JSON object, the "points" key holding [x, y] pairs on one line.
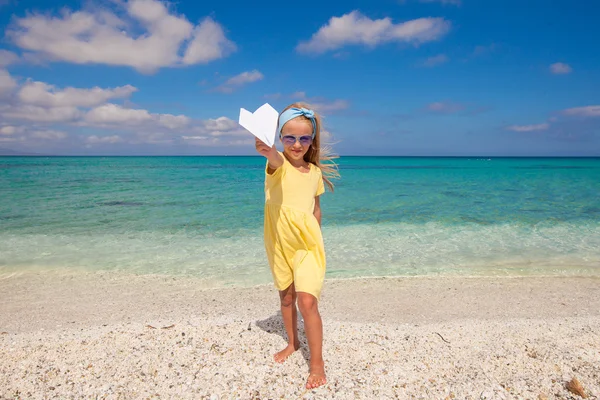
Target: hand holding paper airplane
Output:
{"points": [[262, 123]]}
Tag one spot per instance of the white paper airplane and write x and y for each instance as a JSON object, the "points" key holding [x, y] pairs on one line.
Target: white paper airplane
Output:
{"points": [[262, 123]]}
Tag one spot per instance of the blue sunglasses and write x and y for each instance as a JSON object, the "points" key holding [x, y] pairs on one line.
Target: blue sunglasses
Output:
{"points": [[290, 140]]}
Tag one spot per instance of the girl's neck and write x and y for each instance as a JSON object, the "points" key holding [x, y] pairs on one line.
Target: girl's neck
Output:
{"points": [[298, 163]]}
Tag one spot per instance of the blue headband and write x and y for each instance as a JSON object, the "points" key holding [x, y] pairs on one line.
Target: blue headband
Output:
{"points": [[292, 113]]}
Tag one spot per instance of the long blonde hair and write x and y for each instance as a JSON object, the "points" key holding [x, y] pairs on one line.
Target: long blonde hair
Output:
{"points": [[318, 153]]}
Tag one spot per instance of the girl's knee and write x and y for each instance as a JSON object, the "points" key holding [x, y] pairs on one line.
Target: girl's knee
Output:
{"points": [[288, 300], [307, 303], [288, 297]]}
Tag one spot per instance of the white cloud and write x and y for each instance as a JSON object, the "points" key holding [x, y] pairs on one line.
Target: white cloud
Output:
{"points": [[218, 131], [245, 77], [173, 121], [241, 142], [436, 60], [528, 128], [102, 37], [104, 139], [45, 95], [209, 43], [114, 114], [205, 141], [41, 114], [22, 133], [320, 104], [49, 135], [445, 107], [152, 138], [560, 68], [239, 80], [8, 130], [234, 138], [221, 126], [7, 58], [587, 111], [357, 29], [195, 137], [42, 102], [451, 2], [7, 83], [330, 106]]}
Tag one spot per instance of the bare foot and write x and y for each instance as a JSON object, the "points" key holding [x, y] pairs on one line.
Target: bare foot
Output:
{"points": [[316, 377], [282, 355]]}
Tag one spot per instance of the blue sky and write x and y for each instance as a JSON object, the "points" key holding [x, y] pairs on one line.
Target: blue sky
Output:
{"points": [[391, 77]]}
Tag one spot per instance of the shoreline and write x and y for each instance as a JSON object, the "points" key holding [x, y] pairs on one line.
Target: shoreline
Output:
{"points": [[112, 336]]}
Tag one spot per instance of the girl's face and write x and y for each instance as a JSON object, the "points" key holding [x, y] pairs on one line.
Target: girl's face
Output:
{"points": [[296, 136]]}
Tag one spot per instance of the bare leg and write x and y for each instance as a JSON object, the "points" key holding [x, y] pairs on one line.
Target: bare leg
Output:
{"points": [[309, 307], [290, 321]]}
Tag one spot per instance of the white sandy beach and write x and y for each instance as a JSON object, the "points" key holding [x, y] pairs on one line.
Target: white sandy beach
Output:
{"points": [[109, 336]]}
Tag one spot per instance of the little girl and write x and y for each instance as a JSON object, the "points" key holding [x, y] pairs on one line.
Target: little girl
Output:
{"points": [[292, 228]]}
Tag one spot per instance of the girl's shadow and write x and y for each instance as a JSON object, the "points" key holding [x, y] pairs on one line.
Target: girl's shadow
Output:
{"points": [[274, 325]]}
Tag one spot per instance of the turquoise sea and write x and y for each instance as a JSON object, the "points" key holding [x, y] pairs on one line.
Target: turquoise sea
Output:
{"points": [[389, 216]]}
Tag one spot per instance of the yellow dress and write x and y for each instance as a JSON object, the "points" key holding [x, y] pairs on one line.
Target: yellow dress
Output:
{"points": [[293, 238]]}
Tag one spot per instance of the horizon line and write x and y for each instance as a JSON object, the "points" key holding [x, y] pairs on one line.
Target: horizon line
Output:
{"points": [[340, 156]]}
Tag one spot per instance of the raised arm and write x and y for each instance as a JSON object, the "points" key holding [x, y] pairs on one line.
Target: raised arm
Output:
{"points": [[271, 154]]}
